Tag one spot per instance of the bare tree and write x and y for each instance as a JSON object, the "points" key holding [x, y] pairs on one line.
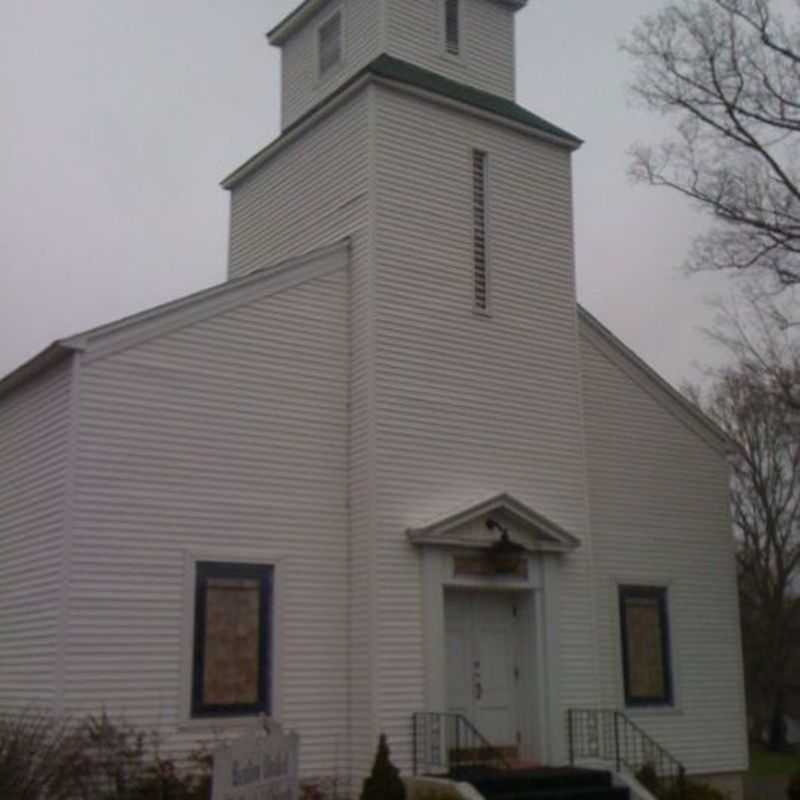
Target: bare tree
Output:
{"points": [[758, 330], [765, 503], [727, 72]]}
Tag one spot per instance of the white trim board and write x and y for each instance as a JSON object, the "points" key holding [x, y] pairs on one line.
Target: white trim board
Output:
{"points": [[607, 344], [443, 531], [169, 317]]}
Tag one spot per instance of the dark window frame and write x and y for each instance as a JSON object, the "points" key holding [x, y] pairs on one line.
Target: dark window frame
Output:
{"points": [[264, 573], [452, 27], [659, 593]]}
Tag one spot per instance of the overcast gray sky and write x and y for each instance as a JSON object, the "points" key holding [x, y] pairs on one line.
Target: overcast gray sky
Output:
{"points": [[119, 118]]}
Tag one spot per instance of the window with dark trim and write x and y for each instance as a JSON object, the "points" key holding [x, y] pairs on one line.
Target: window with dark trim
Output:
{"points": [[646, 662], [452, 27], [330, 44], [232, 639]]}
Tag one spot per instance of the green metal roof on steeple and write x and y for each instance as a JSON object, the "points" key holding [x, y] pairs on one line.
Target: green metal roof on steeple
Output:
{"points": [[393, 69]]}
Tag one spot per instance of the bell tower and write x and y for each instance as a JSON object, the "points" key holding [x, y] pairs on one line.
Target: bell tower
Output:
{"points": [[326, 43]]}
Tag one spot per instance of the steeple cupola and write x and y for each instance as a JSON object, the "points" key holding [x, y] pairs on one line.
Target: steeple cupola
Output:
{"points": [[325, 43]]}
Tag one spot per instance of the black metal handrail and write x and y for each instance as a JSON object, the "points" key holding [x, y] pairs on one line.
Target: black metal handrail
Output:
{"points": [[611, 736], [444, 742]]}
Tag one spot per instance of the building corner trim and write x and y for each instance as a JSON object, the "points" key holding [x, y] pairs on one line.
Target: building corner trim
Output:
{"points": [[67, 535]]}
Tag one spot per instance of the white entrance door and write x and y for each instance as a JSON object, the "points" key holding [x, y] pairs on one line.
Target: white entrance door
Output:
{"points": [[482, 662]]}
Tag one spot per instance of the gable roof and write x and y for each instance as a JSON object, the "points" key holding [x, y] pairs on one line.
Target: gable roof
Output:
{"points": [[658, 388], [403, 73], [187, 310], [294, 19], [447, 530]]}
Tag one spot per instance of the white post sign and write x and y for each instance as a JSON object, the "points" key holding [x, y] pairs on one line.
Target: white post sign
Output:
{"points": [[262, 765]]}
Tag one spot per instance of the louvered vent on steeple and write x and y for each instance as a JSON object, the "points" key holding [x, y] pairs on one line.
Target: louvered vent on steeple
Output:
{"points": [[480, 246]]}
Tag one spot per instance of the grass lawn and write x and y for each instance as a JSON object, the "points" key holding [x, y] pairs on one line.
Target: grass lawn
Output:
{"points": [[762, 764]]}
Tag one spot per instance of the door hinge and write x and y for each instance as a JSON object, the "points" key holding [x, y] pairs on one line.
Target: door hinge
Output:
{"points": [[514, 610], [519, 739], [516, 673]]}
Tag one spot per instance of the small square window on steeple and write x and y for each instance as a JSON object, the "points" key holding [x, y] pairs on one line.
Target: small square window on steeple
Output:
{"points": [[452, 26], [330, 44]]}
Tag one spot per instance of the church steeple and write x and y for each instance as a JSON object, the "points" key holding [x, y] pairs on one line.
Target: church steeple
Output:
{"points": [[324, 43]]}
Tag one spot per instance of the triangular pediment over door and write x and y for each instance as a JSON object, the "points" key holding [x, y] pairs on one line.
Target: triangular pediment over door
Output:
{"points": [[481, 525]]}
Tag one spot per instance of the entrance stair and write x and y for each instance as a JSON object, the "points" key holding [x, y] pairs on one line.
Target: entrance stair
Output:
{"points": [[567, 783], [448, 743]]}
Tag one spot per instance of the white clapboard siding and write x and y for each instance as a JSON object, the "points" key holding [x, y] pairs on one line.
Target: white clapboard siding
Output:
{"points": [[310, 193], [34, 445], [302, 88], [229, 438], [415, 33], [469, 405], [658, 498]]}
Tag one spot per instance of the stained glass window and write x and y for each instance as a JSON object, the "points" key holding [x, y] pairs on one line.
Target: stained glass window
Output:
{"points": [[232, 639], [645, 645]]}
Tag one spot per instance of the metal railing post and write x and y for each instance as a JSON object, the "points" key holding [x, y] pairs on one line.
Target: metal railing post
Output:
{"points": [[449, 740], [590, 733], [571, 737], [414, 742]]}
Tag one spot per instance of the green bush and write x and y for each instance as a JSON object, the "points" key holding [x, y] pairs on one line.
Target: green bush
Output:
{"points": [[384, 782], [793, 789], [692, 790]]}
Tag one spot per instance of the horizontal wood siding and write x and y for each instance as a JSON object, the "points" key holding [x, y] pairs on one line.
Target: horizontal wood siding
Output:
{"points": [[658, 498], [301, 87], [314, 192], [228, 437], [469, 405], [34, 445], [310, 194], [415, 33]]}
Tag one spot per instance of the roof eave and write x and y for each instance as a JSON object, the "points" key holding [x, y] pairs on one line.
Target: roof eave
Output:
{"points": [[721, 439], [436, 532], [289, 24], [46, 359], [372, 72], [315, 114], [454, 543], [136, 328], [568, 142]]}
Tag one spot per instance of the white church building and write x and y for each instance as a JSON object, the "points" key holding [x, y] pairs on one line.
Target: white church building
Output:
{"points": [[389, 477]]}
